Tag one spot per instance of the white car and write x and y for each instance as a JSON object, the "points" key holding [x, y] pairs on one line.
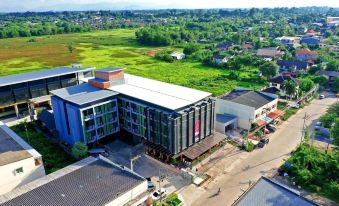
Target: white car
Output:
{"points": [[317, 126], [160, 193], [322, 96]]}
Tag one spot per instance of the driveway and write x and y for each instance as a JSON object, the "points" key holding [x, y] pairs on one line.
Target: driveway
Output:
{"points": [[258, 163]]}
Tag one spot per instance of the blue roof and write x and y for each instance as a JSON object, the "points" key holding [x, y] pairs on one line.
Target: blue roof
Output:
{"points": [[83, 94], [310, 40], [288, 64], [269, 193], [31, 76]]}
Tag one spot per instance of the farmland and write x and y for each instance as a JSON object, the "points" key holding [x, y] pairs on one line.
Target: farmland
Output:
{"points": [[116, 48]]}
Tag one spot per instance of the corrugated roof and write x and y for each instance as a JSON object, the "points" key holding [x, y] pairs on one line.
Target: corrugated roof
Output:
{"points": [[83, 94], [43, 74], [159, 93], [250, 98], [269, 193], [90, 182]]}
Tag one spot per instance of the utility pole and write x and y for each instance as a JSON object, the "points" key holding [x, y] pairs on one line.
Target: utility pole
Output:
{"points": [[133, 159], [303, 130], [161, 178]]}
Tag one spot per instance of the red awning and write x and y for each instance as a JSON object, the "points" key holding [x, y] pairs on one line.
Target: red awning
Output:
{"points": [[275, 114], [260, 122]]}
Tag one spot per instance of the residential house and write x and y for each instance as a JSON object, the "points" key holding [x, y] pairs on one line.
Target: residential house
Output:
{"points": [[331, 48], [278, 83], [224, 46], [178, 56], [272, 193], [306, 55], [16, 91], [248, 106], [219, 59], [292, 66], [91, 181], [332, 76], [269, 52], [247, 46], [289, 42], [167, 118], [310, 41], [332, 18], [19, 162]]}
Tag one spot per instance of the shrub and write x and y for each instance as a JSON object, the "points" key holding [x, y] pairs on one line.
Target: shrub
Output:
{"points": [[79, 150]]}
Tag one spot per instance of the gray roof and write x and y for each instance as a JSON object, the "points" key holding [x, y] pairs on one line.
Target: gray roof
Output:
{"points": [[269, 193], [329, 73], [31, 76], [83, 94], [13, 148], [249, 98], [88, 182]]}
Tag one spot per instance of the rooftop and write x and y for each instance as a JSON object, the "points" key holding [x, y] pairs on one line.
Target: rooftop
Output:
{"points": [[13, 148], [281, 78], [290, 63], [270, 193], [163, 94], [83, 94], [329, 73], [249, 98], [90, 181], [305, 52], [43, 74], [109, 69]]}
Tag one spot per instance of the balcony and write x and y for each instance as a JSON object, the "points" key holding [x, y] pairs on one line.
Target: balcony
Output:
{"points": [[89, 116]]}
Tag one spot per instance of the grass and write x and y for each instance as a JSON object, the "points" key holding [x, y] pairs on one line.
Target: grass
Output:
{"points": [[288, 113], [116, 48], [53, 156]]}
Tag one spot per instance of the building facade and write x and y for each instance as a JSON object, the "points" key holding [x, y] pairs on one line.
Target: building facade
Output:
{"points": [[17, 90], [164, 116]]}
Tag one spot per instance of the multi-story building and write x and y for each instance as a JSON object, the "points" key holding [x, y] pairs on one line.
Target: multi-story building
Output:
{"points": [[17, 90], [19, 162], [167, 117]]}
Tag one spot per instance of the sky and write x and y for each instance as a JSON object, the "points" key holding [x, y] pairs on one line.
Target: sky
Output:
{"points": [[60, 5]]}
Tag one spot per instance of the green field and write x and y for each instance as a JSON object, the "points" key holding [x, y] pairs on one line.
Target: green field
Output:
{"points": [[116, 48]]}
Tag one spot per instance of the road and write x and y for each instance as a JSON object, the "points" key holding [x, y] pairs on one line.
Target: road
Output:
{"points": [[260, 162]]}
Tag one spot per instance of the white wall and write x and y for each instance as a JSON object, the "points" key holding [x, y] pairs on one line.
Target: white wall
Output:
{"points": [[243, 112], [269, 105], [130, 195], [9, 180]]}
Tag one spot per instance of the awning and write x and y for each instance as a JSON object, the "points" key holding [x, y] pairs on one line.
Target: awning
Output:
{"points": [[260, 122], [41, 99], [275, 114], [203, 146]]}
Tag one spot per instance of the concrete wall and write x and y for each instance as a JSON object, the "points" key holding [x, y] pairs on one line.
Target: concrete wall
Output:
{"points": [[130, 195], [271, 106], [9, 180], [243, 112]]}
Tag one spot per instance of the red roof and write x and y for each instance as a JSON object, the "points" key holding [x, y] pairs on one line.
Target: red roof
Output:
{"points": [[247, 46], [260, 122], [275, 114], [306, 52]]}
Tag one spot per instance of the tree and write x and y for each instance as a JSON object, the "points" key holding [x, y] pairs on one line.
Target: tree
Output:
{"points": [[290, 87], [328, 119], [79, 150], [306, 85], [321, 80], [332, 66], [336, 85], [269, 69], [191, 48], [335, 132]]}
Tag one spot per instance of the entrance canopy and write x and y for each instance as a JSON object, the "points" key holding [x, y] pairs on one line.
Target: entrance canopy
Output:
{"points": [[225, 122]]}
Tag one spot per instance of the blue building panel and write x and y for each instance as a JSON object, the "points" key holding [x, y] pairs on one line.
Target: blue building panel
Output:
{"points": [[75, 124]]}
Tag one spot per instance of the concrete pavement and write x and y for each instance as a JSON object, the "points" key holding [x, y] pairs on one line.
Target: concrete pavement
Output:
{"points": [[258, 163]]}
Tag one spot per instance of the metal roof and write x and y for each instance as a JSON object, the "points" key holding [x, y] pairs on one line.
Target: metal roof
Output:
{"points": [[250, 98], [90, 182], [83, 94], [269, 193], [165, 95], [43, 74], [13, 148]]}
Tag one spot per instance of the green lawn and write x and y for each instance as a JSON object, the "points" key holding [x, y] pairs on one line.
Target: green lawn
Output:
{"points": [[115, 48]]}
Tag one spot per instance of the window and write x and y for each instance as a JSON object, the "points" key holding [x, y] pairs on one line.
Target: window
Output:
{"points": [[18, 170], [37, 162]]}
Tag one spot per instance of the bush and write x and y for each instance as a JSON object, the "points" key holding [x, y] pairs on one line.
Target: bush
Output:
{"points": [[79, 150], [250, 147], [165, 56]]}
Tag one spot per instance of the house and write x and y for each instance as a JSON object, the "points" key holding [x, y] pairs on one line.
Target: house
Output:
{"points": [[332, 18], [311, 41], [19, 162], [219, 59], [178, 56], [272, 193], [293, 66], [287, 40], [224, 46], [306, 55], [247, 46], [17, 90], [331, 48], [91, 181], [269, 52], [248, 106], [278, 83], [332, 76], [167, 118]]}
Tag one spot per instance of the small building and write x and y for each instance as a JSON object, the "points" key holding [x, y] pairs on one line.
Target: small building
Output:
{"points": [[278, 83], [332, 76], [91, 181], [247, 46], [224, 46], [178, 56], [306, 55], [292, 66], [16, 91], [287, 40], [311, 41], [332, 18], [271, 193], [219, 59], [19, 162], [248, 106], [269, 52]]}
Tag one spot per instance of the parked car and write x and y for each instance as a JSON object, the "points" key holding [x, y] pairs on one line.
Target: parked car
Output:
{"points": [[150, 184], [266, 131], [263, 141], [271, 128], [317, 126], [160, 193], [321, 96]]}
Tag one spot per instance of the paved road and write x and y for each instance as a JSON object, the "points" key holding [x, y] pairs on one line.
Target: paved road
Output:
{"points": [[259, 162]]}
